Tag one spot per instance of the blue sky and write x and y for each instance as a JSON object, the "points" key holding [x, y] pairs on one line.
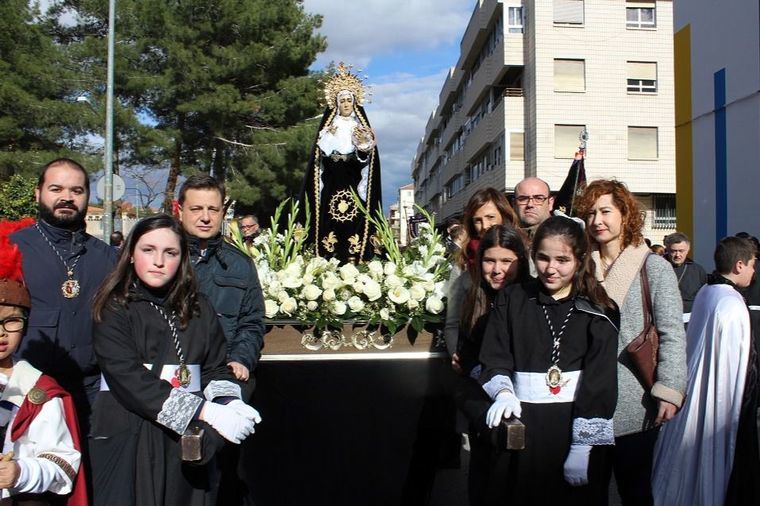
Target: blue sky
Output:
{"points": [[405, 47]]}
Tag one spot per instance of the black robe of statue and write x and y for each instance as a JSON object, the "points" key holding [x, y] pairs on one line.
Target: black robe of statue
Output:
{"points": [[338, 228]]}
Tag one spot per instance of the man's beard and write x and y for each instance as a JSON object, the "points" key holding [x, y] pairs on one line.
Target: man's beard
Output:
{"points": [[70, 222]]}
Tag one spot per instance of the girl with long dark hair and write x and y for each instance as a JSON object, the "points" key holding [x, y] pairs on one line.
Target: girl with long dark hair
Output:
{"points": [[165, 389], [548, 358]]}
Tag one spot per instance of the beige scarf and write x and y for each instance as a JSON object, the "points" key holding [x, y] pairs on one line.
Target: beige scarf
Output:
{"points": [[622, 272]]}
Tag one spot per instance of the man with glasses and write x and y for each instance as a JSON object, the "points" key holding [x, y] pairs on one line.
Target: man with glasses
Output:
{"points": [[533, 203], [249, 227]]}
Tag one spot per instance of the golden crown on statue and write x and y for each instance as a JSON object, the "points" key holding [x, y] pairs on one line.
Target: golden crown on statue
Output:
{"points": [[344, 80]]}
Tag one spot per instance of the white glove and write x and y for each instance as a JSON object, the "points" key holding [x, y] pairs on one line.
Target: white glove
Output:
{"points": [[505, 405], [576, 465], [245, 410], [227, 421]]}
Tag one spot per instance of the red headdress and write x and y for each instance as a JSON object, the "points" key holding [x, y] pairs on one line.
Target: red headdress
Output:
{"points": [[12, 288]]}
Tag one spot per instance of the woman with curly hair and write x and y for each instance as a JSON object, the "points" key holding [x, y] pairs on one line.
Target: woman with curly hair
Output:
{"points": [[614, 223]]}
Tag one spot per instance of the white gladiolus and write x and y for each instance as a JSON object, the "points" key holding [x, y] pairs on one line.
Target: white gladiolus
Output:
{"points": [[389, 268], [311, 292], [270, 308], [399, 295], [338, 307], [356, 304], [417, 292], [433, 305]]}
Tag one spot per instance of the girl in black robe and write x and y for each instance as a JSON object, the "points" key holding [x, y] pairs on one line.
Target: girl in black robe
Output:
{"points": [[162, 353], [549, 358]]}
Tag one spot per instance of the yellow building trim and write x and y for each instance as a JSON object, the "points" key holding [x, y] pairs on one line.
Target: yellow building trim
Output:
{"points": [[684, 141]]}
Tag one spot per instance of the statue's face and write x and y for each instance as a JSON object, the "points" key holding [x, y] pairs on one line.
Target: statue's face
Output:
{"points": [[345, 105]]}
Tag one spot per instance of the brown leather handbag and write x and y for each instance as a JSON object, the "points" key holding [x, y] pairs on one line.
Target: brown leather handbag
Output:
{"points": [[643, 349]]}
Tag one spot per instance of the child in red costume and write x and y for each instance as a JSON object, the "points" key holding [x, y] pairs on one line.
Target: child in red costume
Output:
{"points": [[38, 426]]}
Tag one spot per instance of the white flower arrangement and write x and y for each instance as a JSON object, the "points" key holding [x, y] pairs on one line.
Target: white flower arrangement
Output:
{"points": [[402, 287]]}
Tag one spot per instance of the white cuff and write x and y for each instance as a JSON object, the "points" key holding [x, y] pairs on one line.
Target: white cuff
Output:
{"points": [[593, 431], [497, 384], [221, 388], [178, 410]]}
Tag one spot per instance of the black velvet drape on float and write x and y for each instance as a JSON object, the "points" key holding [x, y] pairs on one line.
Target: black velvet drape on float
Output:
{"points": [[338, 228]]}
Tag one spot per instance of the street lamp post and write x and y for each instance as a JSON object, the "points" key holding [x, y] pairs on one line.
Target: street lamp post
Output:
{"points": [[108, 194]]}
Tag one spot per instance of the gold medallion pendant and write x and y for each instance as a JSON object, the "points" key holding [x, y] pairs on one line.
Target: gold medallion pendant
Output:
{"points": [[554, 379], [70, 288], [184, 375]]}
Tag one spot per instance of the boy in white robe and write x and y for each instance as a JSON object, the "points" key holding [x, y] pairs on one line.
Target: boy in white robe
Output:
{"points": [[694, 455]]}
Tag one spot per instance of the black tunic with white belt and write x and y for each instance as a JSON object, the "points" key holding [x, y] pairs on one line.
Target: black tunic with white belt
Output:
{"points": [[517, 353]]}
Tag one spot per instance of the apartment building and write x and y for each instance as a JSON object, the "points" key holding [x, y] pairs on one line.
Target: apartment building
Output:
{"points": [[531, 76], [717, 65]]}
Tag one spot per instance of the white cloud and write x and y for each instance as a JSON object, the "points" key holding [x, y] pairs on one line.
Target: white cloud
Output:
{"points": [[357, 31], [401, 107]]}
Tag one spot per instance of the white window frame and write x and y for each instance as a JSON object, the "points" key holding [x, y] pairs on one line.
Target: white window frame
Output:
{"points": [[515, 27], [639, 84], [639, 8]]}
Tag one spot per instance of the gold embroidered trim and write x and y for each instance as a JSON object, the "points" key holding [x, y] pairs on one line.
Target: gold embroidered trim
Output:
{"points": [[60, 462], [342, 207], [329, 242], [353, 242]]}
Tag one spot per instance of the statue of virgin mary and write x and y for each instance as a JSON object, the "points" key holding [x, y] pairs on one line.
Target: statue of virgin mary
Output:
{"points": [[344, 160]]}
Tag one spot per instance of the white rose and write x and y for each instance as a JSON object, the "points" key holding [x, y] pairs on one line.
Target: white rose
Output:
{"points": [[312, 305], [308, 279], [389, 268], [345, 295], [393, 281], [292, 281], [372, 290], [328, 295], [399, 295], [289, 306], [282, 296], [385, 315], [348, 272], [356, 304], [330, 281], [338, 307], [412, 304], [363, 278], [417, 292], [311, 292], [434, 305], [375, 267], [270, 308]]}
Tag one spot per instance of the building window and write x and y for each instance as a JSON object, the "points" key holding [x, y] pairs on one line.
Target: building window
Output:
{"points": [[640, 14], [515, 20], [569, 75], [566, 140], [568, 12], [641, 77], [516, 146], [642, 143], [664, 211]]}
